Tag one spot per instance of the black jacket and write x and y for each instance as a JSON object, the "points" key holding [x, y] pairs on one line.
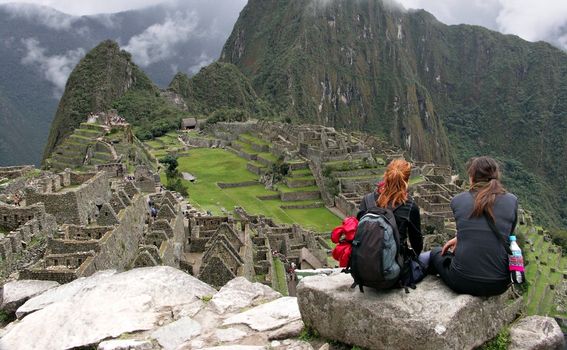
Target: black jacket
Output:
{"points": [[407, 219]]}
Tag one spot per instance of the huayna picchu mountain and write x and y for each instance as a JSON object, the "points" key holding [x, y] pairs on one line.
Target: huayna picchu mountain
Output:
{"points": [[106, 78], [444, 93]]}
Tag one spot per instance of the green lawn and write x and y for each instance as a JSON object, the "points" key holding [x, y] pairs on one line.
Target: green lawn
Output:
{"points": [[281, 282], [283, 188], [216, 165], [301, 172], [251, 139]]}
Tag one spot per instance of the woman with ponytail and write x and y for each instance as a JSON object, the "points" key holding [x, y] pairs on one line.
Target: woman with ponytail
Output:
{"points": [[475, 261], [392, 193]]}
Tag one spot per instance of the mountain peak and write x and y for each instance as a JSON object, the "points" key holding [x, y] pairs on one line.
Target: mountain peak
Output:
{"points": [[103, 75]]}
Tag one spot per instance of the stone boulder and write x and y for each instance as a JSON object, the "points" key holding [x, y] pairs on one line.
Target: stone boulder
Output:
{"points": [[16, 293], [536, 333], [239, 293], [429, 317], [89, 310], [154, 308]]}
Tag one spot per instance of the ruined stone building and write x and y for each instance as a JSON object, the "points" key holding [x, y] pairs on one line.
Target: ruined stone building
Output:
{"points": [[224, 247], [91, 221]]}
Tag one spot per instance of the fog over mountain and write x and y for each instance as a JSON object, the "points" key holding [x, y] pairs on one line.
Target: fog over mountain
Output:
{"points": [[39, 47], [531, 20], [42, 40]]}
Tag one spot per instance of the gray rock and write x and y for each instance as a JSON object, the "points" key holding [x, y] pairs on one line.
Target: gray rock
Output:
{"points": [[536, 333], [291, 330], [237, 347], [63, 292], [293, 344], [268, 316], [16, 293], [104, 307], [170, 337], [126, 344], [229, 335], [429, 317], [240, 293]]}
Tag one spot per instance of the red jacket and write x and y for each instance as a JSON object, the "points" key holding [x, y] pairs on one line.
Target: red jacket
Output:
{"points": [[343, 236]]}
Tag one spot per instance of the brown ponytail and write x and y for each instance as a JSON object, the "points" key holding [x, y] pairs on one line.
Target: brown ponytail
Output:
{"points": [[485, 175], [396, 183]]}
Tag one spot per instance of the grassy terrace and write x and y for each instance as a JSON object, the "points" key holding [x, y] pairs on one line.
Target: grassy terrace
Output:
{"points": [[540, 299], [281, 285], [251, 139], [216, 165], [302, 173], [283, 188], [167, 141]]}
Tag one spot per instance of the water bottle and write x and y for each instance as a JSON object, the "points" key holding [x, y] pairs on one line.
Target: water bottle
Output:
{"points": [[516, 263]]}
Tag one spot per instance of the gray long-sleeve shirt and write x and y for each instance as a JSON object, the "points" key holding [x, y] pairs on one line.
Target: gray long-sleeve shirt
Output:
{"points": [[479, 255]]}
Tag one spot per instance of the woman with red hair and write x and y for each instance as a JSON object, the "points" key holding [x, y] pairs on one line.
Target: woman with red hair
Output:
{"points": [[392, 192]]}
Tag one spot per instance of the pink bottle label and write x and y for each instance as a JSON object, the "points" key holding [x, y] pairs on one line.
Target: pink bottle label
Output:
{"points": [[516, 263]]}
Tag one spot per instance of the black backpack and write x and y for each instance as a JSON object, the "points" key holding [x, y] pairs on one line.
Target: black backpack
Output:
{"points": [[377, 258]]}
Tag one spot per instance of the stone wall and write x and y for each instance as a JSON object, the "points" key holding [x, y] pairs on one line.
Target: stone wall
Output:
{"points": [[80, 178], [74, 232], [13, 172], [17, 239], [299, 196], [74, 206], [12, 217], [113, 169], [58, 246], [237, 184], [118, 248], [230, 131]]}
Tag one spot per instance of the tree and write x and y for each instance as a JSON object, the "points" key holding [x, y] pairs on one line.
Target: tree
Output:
{"points": [[172, 174]]}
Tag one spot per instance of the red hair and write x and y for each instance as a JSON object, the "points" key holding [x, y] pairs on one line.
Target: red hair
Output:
{"points": [[396, 183]]}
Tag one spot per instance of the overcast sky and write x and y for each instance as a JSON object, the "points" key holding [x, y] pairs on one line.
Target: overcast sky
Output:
{"points": [[529, 19]]}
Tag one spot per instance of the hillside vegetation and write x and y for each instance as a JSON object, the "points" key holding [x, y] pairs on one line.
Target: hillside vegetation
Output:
{"points": [[107, 78], [445, 93], [218, 86]]}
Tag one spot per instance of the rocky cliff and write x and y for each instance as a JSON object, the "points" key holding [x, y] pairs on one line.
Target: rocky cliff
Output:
{"points": [[445, 93]]}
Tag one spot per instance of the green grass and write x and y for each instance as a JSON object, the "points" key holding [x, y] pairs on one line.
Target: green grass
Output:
{"points": [[283, 188], [306, 172], [416, 180], [246, 147], [268, 156], [540, 301], [216, 165], [251, 139], [281, 283]]}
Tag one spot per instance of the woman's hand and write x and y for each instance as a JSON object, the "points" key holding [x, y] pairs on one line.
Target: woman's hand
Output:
{"points": [[450, 245]]}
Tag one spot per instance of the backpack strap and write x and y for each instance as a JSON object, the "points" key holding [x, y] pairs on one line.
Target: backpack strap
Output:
{"points": [[492, 225], [370, 201]]}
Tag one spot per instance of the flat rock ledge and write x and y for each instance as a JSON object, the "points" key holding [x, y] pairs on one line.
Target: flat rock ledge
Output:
{"points": [[16, 293], [536, 333], [155, 308], [429, 317]]}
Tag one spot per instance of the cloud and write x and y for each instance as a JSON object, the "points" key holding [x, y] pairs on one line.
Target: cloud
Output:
{"points": [[202, 61], [91, 7], [56, 68], [530, 20], [42, 15], [541, 20], [158, 41]]}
